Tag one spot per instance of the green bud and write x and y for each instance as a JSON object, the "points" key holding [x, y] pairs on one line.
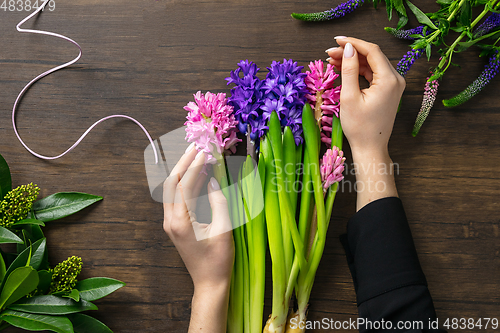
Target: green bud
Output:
{"points": [[17, 203], [64, 275]]}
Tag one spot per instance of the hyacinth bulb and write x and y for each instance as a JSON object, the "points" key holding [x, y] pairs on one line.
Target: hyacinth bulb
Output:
{"points": [[430, 92], [489, 72], [323, 96], [211, 125], [340, 11]]}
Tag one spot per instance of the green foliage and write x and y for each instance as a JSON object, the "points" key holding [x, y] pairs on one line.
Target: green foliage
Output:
{"points": [[64, 275], [95, 288], [59, 205], [17, 203], [5, 178], [37, 322]]}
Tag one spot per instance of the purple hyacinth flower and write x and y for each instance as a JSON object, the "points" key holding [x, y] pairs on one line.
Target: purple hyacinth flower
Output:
{"points": [[408, 60], [337, 12], [406, 34], [489, 72], [490, 24]]}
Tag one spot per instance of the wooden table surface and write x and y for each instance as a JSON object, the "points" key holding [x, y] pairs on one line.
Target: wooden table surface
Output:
{"points": [[145, 59]]}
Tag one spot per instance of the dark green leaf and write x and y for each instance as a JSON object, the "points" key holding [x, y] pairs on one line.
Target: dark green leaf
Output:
{"points": [[22, 259], [428, 51], [388, 6], [98, 287], [5, 179], [421, 17], [38, 255], [45, 278], [457, 29], [3, 268], [59, 205], [86, 324], [7, 236], [51, 305], [20, 282], [444, 2], [36, 322], [400, 7], [465, 14], [29, 221], [444, 26], [74, 295], [402, 21]]}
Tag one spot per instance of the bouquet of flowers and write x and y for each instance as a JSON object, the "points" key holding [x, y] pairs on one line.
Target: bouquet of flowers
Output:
{"points": [[284, 118], [34, 296], [454, 16]]}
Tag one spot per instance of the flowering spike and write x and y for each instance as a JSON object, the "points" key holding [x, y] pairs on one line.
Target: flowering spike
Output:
{"points": [[491, 23], [331, 167], [17, 203], [285, 92], [64, 275], [489, 72], [211, 125], [337, 12], [323, 96], [406, 34], [430, 92], [408, 60]]}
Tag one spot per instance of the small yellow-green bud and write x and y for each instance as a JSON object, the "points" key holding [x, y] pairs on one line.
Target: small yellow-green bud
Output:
{"points": [[17, 203], [64, 275]]}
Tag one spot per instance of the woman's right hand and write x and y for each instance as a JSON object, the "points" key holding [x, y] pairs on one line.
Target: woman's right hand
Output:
{"points": [[367, 115]]}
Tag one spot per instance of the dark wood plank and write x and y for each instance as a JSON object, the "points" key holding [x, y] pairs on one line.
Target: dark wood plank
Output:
{"points": [[146, 59]]}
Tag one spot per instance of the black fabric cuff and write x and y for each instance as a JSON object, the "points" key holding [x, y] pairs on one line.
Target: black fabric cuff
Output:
{"points": [[380, 250]]}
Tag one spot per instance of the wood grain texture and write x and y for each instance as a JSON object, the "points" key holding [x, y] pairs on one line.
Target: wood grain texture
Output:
{"points": [[146, 59]]}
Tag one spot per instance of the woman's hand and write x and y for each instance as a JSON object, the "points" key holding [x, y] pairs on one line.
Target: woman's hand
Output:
{"points": [[206, 249], [367, 116]]}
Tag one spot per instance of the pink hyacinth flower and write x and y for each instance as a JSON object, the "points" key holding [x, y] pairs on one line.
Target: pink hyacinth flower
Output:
{"points": [[331, 167], [211, 125], [323, 96]]}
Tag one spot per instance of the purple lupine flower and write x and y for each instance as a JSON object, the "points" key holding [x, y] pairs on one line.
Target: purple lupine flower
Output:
{"points": [[406, 34], [246, 96], [337, 12], [408, 60], [285, 92], [430, 92], [491, 23], [489, 72]]}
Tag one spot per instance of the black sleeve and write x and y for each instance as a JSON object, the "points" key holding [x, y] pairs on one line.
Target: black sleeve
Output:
{"points": [[390, 285]]}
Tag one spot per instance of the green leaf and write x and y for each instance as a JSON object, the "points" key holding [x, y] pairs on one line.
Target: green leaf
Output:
{"points": [[36, 322], [421, 17], [465, 14], [22, 259], [444, 2], [45, 278], [400, 7], [428, 51], [5, 179], [59, 205], [29, 221], [7, 236], [38, 255], [98, 287], [20, 282], [74, 295], [51, 305], [402, 21], [388, 6], [86, 324], [3, 269]]}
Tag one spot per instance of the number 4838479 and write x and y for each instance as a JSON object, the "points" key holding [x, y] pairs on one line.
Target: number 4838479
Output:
{"points": [[25, 5]]}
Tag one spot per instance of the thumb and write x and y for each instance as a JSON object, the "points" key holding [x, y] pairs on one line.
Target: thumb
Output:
{"points": [[221, 222], [350, 74]]}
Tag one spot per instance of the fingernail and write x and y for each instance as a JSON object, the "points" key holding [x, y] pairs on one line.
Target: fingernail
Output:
{"points": [[200, 153], [339, 37], [214, 184], [189, 148], [331, 49], [348, 50], [329, 59]]}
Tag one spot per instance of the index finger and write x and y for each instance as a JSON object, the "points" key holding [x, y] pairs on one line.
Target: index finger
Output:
{"points": [[376, 59]]}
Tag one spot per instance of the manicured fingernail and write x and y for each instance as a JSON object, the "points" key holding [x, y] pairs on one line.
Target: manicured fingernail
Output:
{"points": [[339, 37], [214, 184], [348, 50], [331, 49], [189, 148], [328, 59], [200, 153]]}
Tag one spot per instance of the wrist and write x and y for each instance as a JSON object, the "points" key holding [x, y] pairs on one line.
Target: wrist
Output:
{"points": [[211, 290]]}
